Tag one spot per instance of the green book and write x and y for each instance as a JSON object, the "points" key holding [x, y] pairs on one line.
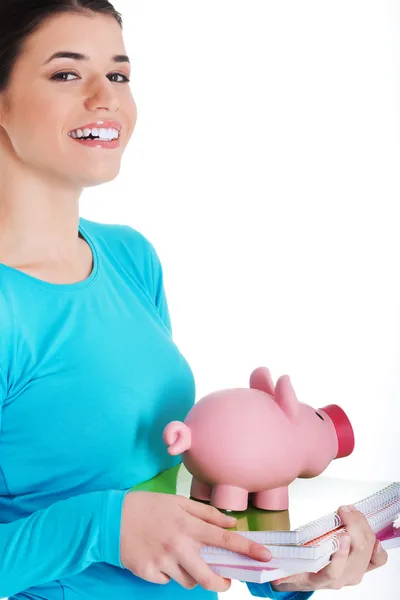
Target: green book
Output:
{"points": [[177, 480]]}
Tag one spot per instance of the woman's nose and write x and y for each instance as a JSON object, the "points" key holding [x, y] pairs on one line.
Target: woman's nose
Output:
{"points": [[103, 95]]}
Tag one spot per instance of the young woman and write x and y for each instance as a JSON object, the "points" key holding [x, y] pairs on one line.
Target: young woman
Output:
{"points": [[89, 373]]}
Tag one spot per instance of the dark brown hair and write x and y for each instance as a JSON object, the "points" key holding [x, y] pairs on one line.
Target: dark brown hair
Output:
{"points": [[20, 18]]}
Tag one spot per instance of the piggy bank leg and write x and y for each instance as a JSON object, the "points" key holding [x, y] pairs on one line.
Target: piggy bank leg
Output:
{"points": [[276, 499], [229, 497], [200, 490]]}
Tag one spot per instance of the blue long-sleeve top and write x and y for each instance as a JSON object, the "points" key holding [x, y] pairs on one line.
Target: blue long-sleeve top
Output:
{"points": [[89, 377]]}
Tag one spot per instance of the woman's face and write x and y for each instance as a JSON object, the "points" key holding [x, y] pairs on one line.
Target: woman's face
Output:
{"points": [[41, 107]]}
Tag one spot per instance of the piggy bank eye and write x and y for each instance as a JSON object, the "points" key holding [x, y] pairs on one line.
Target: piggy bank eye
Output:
{"points": [[319, 416]]}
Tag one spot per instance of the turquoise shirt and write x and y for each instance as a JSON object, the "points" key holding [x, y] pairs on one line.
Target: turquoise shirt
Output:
{"points": [[89, 377]]}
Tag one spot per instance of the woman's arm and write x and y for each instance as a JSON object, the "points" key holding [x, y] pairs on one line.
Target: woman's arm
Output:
{"points": [[61, 540]]}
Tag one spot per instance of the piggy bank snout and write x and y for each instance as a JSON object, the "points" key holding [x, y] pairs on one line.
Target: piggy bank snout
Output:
{"points": [[343, 428]]}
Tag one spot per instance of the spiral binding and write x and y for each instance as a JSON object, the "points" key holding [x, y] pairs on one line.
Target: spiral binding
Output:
{"points": [[213, 554], [368, 505], [323, 545], [385, 516], [380, 509]]}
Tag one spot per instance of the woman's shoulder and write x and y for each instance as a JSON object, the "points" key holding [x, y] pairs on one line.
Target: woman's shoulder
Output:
{"points": [[127, 245], [119, 232]]}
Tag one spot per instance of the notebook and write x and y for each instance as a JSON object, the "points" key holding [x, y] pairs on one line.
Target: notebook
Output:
{"points": [[308, 497], [274, 569], [317, 538], [320, 537], [371, 505], [281, 567]]}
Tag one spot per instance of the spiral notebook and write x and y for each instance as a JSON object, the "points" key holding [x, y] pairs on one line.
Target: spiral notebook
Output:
{"points": [[274, 569], [317, 538], [278, 568], [244, 569], [309, 496]]}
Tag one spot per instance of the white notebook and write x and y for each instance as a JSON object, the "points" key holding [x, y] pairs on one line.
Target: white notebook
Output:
{"points": [[275, 569], [317, 528], [278, 568], [316, 539]]}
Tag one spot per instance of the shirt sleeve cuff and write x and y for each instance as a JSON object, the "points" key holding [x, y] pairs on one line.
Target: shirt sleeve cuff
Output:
{"points": [[111, 527], [264, 590]]}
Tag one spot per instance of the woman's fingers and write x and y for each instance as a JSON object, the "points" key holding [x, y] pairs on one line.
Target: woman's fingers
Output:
{"points": [[362, 543], [211, 535], [206, 512], [335, 569], [179, 574], [198, 569], [209, 531], [379, 557], [358, 528], [358, 553], [332, 572]]}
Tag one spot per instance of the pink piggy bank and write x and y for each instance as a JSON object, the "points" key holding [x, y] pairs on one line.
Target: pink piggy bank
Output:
{"points": [[258, 441]]}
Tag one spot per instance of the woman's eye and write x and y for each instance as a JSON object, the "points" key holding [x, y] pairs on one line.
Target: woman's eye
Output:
{"points": [[124, 77], [59, 77]]}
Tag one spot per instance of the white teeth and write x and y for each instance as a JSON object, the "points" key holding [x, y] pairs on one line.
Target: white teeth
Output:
{"points": [[102, 133]]}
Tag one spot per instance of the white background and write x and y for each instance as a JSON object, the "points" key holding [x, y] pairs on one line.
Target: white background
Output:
{"points": [[264, 169]]}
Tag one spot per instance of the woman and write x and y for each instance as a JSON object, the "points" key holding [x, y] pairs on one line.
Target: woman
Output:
{"points": [[89, 374]]}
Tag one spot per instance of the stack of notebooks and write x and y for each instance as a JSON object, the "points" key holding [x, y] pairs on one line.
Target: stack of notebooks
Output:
{"points": [[295, 548], [308, 548]]}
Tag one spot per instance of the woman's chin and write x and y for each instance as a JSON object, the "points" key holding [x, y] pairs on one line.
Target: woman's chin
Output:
{"points": [[93, 179]]}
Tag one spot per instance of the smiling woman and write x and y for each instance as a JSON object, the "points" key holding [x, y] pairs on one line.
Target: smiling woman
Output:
{"points": [[89, 373], [47, 57]]}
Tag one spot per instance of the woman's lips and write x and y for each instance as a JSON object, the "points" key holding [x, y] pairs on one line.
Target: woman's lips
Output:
{"points": [[97, 143], [100, 124]]}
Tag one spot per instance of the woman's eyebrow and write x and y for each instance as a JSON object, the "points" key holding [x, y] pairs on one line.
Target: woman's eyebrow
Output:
{"points": [[119, 58]]}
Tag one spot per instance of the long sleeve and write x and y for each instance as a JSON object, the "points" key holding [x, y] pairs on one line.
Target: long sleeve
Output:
{"points": [[91, 376], [61, 540], [264, 590]]}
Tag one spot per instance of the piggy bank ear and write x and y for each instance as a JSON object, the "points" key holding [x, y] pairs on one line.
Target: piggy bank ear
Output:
{"points": [[286, 398], [261, 379]]}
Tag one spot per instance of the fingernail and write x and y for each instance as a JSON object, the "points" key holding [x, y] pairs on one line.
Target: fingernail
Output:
{"points": [[265, 553], [231, 519], [346, 509], [379, 548]]}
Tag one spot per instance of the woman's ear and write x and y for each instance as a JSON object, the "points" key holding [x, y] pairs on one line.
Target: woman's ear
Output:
{"points": [[4, 104]]}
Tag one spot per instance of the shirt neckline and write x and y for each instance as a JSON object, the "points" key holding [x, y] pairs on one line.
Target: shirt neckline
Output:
{"points": [[65, 286]]}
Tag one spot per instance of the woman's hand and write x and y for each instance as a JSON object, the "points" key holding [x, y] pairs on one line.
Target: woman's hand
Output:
{"points": [[162, 535], [359, 553]]}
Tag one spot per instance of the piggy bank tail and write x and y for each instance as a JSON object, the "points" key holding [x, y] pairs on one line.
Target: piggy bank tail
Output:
{"points": [[178, 437]]}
